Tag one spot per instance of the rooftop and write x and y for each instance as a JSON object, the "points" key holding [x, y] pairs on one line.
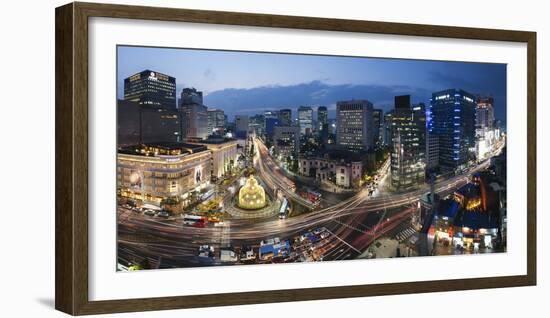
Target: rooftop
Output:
{"points": [[447, 208], [161, 149]]}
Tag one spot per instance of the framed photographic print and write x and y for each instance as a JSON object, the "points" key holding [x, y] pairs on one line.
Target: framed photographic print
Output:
{"points": [[211, 158]]}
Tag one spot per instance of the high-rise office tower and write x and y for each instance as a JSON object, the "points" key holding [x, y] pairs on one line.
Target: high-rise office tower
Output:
{"points": [[354, 125], [305, 120], [139, 124], [408, 146], [485, 114], [387, 128], [377, 120], [322, 116], [241, 125], [285, 117], [451, 117], [216, 121], [190, 96], [257, 124], [271, 114], [151, 88], [286, 140], [322, 122], [194, 114]]}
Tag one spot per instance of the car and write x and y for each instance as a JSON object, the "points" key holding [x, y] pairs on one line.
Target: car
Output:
{"points": [[137, 210], [206, 251], [149, 212], [163, 214], [220, 224]]}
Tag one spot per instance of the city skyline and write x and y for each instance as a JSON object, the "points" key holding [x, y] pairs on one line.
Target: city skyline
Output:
{"points": [[245, 83], [281, 183]]}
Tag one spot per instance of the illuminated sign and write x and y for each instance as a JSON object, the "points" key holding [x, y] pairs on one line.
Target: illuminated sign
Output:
{"points": [[158, 77], [442, 97], [135, 77], [468, 99]]}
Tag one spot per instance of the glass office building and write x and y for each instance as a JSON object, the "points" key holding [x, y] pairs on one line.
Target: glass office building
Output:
{"points": [[451, 117]]}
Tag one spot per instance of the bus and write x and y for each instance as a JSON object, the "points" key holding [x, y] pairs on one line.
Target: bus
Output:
{"points": [[283, 211], [194, 220], [205, 196]]}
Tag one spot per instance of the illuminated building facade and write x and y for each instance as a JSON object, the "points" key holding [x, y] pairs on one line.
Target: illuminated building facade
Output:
{"points": [[485, 113], [224, 155], [342, 168], [472, 218], [151, 88], [377, 120], [305, 120], [408, 146], [151, 173], [286, 141], [322, 122], [216, 121], [354, 125], [451, 116], [387, 128]]}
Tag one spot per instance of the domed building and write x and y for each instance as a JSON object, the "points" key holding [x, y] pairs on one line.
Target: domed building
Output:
{"points": [[252, 195]]}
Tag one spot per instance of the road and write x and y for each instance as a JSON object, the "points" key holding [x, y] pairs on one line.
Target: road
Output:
{"points": [[353, 223]]}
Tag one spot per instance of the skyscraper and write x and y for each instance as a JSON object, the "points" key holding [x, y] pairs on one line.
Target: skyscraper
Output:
{"points": [[190, 96], [322, 117], [285, 117], [305, 120], [322, 122], [194, 114], [151, 88], [451, 117], [216, 121], [286, 140], [485, 114], [139, 124], [241, 125], [408, 146], [354, 124], [387, 128], [257, 124], [377, 126]]}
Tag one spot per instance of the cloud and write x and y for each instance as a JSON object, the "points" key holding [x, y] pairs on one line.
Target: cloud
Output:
{"points": [[316, 93], [446, 80]]}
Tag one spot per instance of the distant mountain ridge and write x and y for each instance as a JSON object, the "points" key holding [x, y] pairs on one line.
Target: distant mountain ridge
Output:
{"points": [[316, 93]]}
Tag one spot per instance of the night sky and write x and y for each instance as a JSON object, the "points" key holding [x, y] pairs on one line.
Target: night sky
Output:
{"points": [[249, 83]]}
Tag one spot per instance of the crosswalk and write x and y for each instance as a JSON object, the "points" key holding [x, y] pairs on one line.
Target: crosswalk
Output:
{"points": [[405, 234]]}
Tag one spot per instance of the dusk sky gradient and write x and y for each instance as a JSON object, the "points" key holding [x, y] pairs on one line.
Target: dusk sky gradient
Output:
{"points": [[248, 82]]}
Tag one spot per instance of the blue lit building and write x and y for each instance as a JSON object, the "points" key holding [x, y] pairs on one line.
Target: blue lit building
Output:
{"points": [[270, 124], [451, 118]]}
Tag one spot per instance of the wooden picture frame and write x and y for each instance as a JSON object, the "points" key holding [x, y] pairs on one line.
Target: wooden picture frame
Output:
{"points": [[71, 90]]}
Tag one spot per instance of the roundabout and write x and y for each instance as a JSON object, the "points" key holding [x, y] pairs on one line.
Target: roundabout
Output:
{"points": [[251, 202]]}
